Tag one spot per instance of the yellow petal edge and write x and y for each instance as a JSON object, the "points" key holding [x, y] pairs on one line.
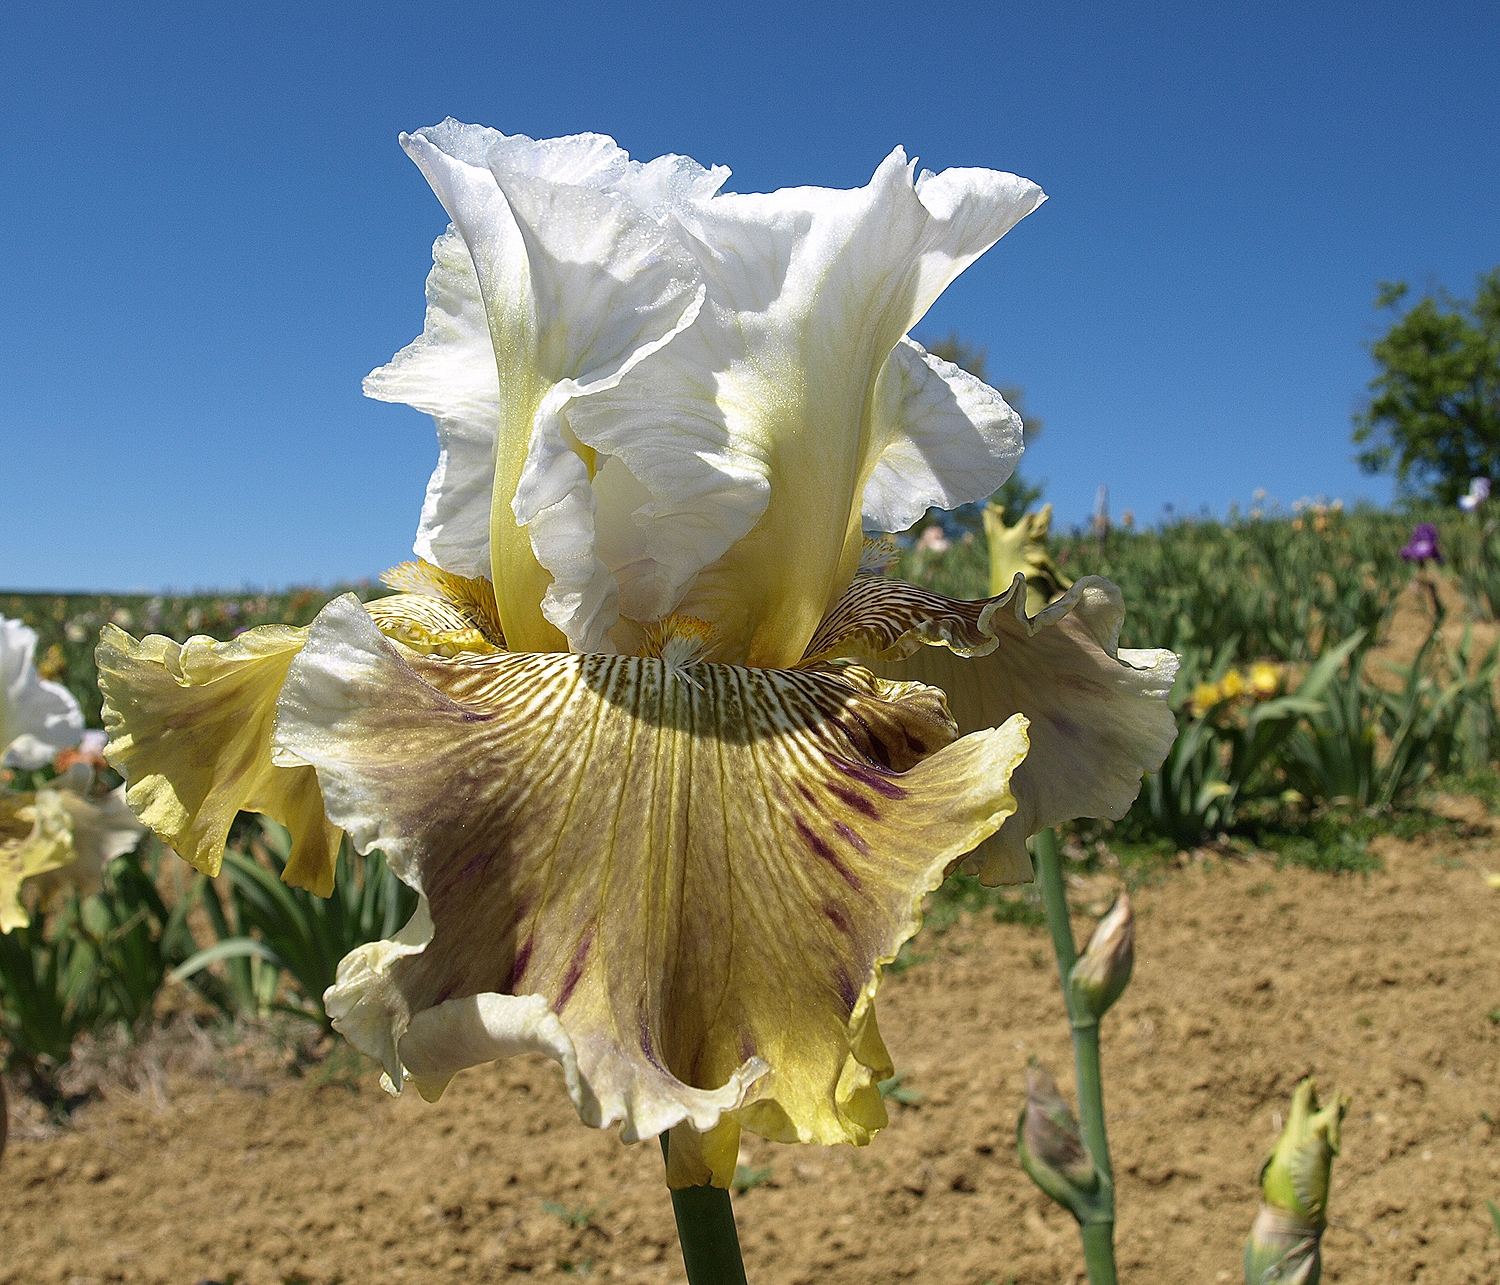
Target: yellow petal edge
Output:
{"points": [[190, 723]]}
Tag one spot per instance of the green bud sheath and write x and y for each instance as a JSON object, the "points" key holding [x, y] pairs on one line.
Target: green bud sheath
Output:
{"points": [[1284, 1244], [1282, 1250], [1051, 1148], [1295, 1178]]}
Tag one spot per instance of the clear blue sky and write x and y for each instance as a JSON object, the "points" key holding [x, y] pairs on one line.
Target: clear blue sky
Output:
{"points": [[211, 235]]}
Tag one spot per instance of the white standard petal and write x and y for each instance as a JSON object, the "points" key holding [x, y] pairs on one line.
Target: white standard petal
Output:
{"points": [[576, 279], [37, 718], [758, 429], [449, 372], [952, 439]]}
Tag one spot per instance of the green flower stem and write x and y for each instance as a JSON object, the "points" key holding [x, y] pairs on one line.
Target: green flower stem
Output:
{"points": [[1091, 1094], [1097, 1233], [1049, 875], [706, 1231], [1099, 1251]]}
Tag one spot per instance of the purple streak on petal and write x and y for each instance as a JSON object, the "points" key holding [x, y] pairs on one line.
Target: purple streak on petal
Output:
{"points": [[821, 847]]}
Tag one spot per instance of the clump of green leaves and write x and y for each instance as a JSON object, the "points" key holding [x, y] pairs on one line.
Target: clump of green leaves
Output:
{"points": [[271, 934], [96, 962]]}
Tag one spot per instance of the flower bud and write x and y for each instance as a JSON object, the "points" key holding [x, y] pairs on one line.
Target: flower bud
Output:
{"points": [[1284, 1241], [1052, 1150], [1103, 970], [1023, 548], [1282, 1250]]}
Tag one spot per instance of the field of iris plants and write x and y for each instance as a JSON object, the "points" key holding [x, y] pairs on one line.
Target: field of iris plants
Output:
{"points": [[1297, 733], [1303, 733]]}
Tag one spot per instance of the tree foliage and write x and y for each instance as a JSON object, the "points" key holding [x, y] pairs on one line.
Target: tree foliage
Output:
{"points": [[1434, 413]]}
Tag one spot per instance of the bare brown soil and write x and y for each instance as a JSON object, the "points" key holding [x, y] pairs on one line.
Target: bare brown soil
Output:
{"points": [[1247, 978]]}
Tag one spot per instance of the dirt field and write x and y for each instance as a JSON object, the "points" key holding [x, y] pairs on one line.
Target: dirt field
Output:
{"points": [[1247, 978]]}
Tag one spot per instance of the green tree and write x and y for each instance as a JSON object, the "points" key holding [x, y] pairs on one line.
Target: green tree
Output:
{"points": [[1016, 495], [1434, 413]]}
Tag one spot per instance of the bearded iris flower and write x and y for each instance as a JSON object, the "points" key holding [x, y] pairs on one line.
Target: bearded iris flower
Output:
{"points": [[37, 718], [622, 728], [57, 836], [1422, 548]]}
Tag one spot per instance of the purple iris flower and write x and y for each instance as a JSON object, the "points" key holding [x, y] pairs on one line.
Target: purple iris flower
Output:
{"points": [[1423, 545]]}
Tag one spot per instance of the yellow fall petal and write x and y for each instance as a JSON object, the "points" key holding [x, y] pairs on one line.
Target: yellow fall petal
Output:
{"points": [[19, 855], [1098, 716], [190, 730], [680, 886], [191, 723]]}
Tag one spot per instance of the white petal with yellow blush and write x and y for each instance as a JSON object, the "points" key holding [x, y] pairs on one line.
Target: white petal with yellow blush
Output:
{"points": [[578, 280], [758, 429]]}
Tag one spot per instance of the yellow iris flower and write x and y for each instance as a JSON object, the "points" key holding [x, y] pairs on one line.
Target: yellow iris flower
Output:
{"points": [[56, 838], [663, 830], [1265, 678]]}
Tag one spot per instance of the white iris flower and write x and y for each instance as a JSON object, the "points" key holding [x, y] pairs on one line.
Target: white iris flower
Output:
{"points": [[662, 829]]}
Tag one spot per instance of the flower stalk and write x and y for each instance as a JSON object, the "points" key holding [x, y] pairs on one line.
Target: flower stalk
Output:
{"points": [[1092, 1204], [706, 1231]]}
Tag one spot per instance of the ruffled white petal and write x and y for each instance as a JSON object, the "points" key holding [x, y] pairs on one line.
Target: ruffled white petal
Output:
{"points": [[953, 439], [758, 429], [449, 372], [37, 718], [578, 280]]}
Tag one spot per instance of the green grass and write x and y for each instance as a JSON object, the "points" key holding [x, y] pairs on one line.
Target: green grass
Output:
{"points": [[578, 1218], [1483, 784]]}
